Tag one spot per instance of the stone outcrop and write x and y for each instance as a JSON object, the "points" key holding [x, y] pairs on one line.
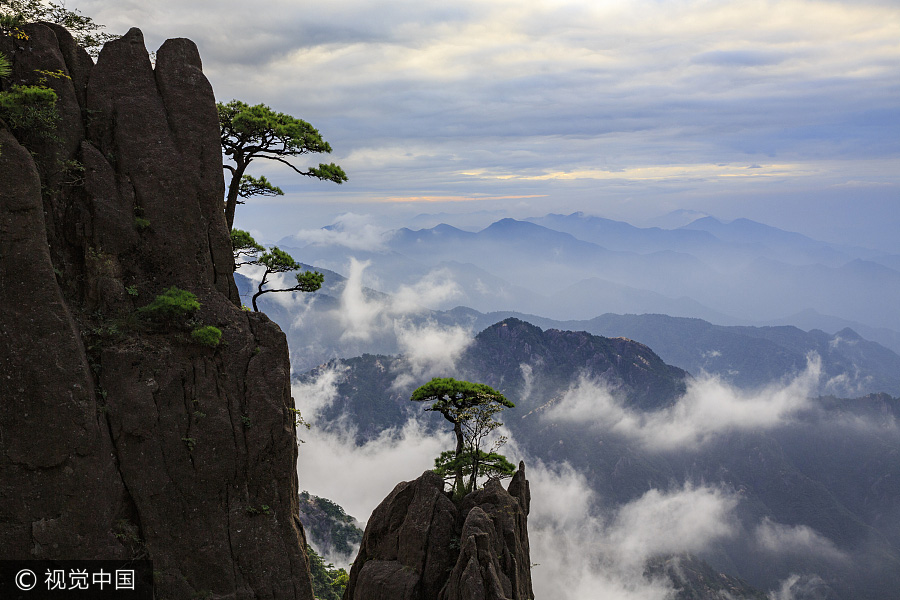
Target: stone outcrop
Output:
{"points": [[420, 545], [119, 439]]}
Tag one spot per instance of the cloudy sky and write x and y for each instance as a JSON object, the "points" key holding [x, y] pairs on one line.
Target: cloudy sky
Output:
{"points": [[785, 111]]}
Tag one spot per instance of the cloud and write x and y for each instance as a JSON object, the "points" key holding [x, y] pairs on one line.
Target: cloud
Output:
{"points": [[708, 408], [359, 315], [429, 350], [358, 478], [550, 88], [559, 89], [581, 546], [801, 587], [354, 231], [426, 347], [586, 550], [314, 396], [365, 321], [739, 58], [660, 523], [364, 314], [434, 289], [798, 540]]}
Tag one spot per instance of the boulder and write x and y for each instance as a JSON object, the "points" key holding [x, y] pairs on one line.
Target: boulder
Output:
{"points": [[419, 545]]}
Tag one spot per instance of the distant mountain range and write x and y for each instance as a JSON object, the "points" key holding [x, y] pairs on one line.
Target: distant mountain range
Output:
{"points": [[577, 266], [816, 492], [745, 356], [646, 338]]}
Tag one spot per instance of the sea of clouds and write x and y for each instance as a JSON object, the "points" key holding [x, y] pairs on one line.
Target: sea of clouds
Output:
{"points": [[583, 545]]}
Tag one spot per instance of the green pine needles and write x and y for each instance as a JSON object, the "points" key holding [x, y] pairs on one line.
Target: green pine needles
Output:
{"points": [[5, 66], [471, 407], [207, 335], [278, 261], [172, 305], [251, 132]]}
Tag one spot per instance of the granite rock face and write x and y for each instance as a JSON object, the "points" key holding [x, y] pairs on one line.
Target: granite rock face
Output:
{"points": [[118, 438], [419, 545]]}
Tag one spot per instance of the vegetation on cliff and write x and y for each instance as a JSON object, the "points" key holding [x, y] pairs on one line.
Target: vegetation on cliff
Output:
{"points": [[332, 530], [471, 408], [149, 430], [328, 581], [278, 261], [87, 34], [251, 132]]}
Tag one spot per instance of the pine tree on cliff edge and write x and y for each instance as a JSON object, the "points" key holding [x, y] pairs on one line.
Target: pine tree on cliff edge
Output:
{"points": [[251, 132], [471, 408]]}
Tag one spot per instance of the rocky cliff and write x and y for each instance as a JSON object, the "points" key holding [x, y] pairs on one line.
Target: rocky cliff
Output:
{"points": [[419, 545], [119, 438]]}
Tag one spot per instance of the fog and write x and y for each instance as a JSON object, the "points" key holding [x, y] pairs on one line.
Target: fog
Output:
{"points": [[798, 540], [708, 409], [583, 545], [358, 478], [578, 267], [350, 230], [585, 548]]}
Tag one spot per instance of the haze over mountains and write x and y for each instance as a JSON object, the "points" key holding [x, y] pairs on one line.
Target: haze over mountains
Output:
{"points": [[632, 462], [718, 434], [447, 284], [578, 267]]}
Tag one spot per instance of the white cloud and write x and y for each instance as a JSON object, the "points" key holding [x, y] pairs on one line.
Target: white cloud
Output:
{"points": [[429, 350], [313, 396], [708, 408], [527, 381], [436, 288], [582, 548], [351, 230], [359, 315], [358, 478], [799, 540], [684, 520], [581, 554], [363, 316], [797, 587]]}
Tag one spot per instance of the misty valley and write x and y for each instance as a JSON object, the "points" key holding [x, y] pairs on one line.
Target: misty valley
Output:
{"points": [[706, 458]]}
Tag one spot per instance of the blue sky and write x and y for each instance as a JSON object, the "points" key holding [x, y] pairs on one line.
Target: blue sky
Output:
{"points": [[787, 112]]}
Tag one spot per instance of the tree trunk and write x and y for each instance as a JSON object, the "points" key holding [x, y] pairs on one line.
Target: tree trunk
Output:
{"points": [[231, 199], [259, 291], [458, 481], [473, 479]]}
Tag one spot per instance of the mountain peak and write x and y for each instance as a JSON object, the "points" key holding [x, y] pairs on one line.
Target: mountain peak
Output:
{"points": [[511, 325], [847, 335]]}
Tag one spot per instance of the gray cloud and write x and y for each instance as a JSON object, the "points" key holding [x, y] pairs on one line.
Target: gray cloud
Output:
{"points": [[522, 90]]}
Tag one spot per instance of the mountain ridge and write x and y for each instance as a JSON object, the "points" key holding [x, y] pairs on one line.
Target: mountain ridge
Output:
{"points": [[761, 275], [812, 475]]}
